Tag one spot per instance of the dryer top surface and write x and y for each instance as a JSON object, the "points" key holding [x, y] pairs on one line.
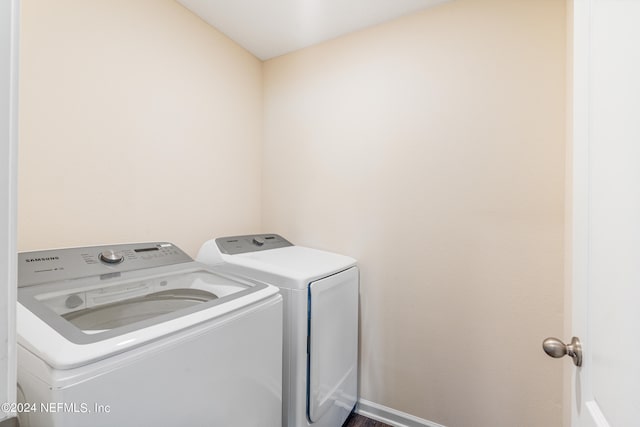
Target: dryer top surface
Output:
{"points": [[297, 265]]}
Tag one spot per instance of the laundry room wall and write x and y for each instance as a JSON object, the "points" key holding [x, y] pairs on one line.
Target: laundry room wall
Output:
{"points": [[431, 148], [138, 122]]}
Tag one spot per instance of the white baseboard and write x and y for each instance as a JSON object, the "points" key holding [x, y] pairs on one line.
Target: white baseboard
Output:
{"points": [[391, 416]]}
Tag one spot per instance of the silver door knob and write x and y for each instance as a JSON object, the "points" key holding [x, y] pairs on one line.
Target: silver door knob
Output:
{"points": [[556, 348]]}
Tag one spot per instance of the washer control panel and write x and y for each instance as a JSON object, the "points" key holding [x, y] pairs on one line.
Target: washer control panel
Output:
{"points": [[251, 243], [74, 263]]}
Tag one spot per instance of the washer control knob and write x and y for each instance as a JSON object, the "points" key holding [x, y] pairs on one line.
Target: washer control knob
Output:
{"points": [[111, 257], [258, 241]]}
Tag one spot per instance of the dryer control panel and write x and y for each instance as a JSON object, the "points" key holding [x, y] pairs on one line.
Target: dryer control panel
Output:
{"points": [[74, 263], [250, 243]]}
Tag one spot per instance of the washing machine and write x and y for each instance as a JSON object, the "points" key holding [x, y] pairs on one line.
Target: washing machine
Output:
{"points": [[142, 335], [320, 347]]}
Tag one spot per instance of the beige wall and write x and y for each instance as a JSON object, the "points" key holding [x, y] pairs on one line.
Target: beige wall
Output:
{"points": [[138, 122], [432, 149]]}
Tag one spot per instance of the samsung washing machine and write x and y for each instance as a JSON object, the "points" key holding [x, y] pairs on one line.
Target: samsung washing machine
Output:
{"points": [[320, 348], [142, 335]]}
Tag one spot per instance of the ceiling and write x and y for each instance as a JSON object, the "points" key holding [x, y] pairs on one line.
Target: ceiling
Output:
{"points": [[270, 28]]}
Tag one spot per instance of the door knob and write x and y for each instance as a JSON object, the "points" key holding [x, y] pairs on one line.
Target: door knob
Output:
{"points": [[556, 348]]}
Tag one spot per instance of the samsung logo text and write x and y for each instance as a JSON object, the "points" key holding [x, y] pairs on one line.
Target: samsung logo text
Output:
{"points": [[51, 258]]}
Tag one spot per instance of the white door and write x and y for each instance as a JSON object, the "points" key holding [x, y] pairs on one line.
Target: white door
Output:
{"points": [[605, 262], [8, 162]]}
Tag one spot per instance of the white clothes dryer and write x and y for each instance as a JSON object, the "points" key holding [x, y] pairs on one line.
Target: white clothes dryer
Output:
{"points": [[142, 335], [320, 347]]}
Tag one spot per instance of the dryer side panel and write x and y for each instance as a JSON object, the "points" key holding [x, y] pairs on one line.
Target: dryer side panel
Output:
{"points": [[333, 345]]}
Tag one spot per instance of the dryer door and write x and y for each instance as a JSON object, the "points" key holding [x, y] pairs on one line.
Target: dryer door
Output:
{"points": [[333, 343]]}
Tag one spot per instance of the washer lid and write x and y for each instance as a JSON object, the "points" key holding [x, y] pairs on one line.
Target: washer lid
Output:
{"points": [[92, 309], [82, 318], [72, 323]]}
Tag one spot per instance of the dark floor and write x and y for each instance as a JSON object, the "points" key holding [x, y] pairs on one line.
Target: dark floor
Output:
{"points": [[356, 420]]}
